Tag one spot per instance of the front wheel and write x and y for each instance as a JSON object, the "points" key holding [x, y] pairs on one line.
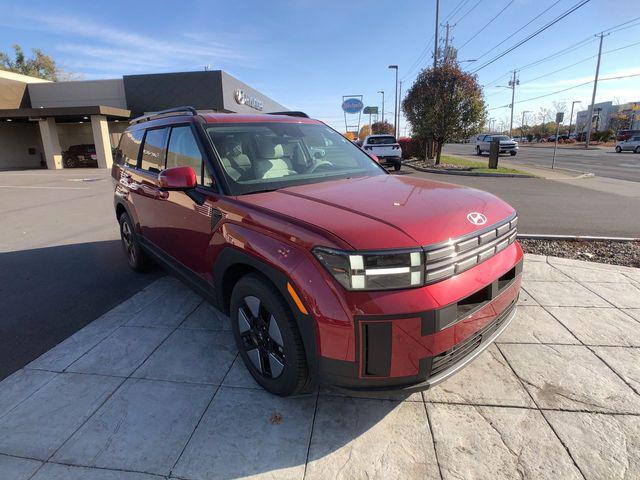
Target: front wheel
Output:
{"points": [[619, 149], [267, 337], [70, 162], [478, 151], [637, 150], [513, 154], [396, 166]]}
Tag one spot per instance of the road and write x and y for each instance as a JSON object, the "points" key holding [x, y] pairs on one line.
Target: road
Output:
{"points": [[61, 262], [604, 163], [584, 206]]}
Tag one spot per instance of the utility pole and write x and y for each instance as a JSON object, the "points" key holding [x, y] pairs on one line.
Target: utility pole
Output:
{"points": [[447, 38], [399, 102], [512, 84], [435, 43], [571, 116], [593, 96], [382, 92]]}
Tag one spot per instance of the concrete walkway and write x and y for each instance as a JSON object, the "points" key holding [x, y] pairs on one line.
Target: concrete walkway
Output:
{"points": [[154, 389]]}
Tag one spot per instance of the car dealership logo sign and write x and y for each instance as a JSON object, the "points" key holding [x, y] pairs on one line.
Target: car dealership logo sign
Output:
{"points": [[352, 105], [242, 98], [476, 218]]}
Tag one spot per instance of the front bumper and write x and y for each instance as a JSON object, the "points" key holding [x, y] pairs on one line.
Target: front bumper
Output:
{"points": [[402, 354]]}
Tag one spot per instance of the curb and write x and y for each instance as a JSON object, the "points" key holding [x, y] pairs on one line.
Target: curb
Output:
{"points": [[467, 173], [587, 238]]}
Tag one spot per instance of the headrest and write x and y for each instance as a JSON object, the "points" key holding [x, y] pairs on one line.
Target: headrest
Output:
{"points": [[268, 149]]}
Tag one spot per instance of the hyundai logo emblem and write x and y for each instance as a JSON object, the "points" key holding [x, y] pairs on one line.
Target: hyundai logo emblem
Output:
{"points": [[476, 218]]}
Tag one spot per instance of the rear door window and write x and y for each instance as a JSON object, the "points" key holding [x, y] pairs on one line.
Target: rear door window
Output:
{"points": [[129, 147], [153, 150]]}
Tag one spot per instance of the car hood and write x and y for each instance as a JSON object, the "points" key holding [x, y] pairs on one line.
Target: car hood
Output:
{"points": [[386, 211]]}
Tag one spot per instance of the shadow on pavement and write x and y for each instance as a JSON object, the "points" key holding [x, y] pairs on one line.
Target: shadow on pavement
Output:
{"points": [[47, 294]]}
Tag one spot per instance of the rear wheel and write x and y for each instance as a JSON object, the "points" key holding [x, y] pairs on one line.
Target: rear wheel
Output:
{"points": [[135, 256], [267, 337], [478, 151], [619, 149], [396, 166], [637, 150]]}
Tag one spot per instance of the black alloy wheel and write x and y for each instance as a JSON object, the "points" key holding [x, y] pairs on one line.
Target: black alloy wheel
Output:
{"points": [[261, 337], [267, 336], [135, 255]]}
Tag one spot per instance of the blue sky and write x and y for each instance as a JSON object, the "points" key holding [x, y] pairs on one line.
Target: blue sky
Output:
{"points": [[307, 54]]}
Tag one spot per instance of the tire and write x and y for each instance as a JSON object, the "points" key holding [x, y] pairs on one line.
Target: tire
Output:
{"points": [[70, 162], [513, 154], [478, 151], [135, 256], [267, 337], [396, 166], [619, 149], [637, 150]]}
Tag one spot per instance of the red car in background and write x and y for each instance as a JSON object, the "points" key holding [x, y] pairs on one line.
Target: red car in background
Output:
{"points": [[331, 269]]}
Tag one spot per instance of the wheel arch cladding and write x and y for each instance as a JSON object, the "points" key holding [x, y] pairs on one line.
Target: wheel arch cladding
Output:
{"points": [[232, 264]]}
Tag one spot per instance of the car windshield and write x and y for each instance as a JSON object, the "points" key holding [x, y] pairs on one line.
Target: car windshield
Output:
{"points": [[501, 137], [267, 156], [386, 140]]}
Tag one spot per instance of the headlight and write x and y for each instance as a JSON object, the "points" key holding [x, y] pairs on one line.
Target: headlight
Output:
{"points": [[373, 270]]}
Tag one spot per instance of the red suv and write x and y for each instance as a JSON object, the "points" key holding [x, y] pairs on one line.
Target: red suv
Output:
{"points": [[332, 270]]}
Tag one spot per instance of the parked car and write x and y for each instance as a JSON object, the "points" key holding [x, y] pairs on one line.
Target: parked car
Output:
{"points": [[507, 145], [331, 270], [80, 155], [630, 145], [386, 148], [562, 136]]}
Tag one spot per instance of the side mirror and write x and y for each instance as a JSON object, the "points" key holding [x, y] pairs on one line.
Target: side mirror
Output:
{"points": [[177, 178]]}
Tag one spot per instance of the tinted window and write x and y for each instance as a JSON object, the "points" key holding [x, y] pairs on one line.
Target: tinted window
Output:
{"points": [[152, 157], [389, 140], [127, 153], [183, 151], [266, 156]]}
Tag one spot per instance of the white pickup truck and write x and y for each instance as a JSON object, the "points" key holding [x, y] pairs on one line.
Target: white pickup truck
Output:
{"points": [[386, 148], [507, 144]]}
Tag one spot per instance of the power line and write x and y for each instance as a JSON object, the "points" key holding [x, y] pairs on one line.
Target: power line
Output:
{"points": [[518, 30], [534, 34], [461, 4], [579, 62], [566, 89], [568, 49], [468, 11], [486, 24]]}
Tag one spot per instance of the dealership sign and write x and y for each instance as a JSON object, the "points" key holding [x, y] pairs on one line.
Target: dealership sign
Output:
{"points": [[244, 99], [352, 105]]}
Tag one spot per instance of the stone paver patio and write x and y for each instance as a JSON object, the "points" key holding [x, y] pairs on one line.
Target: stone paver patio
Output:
{"points": [[154, 389]]}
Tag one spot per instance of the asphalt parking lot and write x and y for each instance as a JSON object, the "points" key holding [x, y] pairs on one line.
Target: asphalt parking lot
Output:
{"points": [[154, 389], [61, 263]]}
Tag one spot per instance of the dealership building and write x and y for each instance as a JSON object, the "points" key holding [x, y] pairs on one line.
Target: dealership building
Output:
{"points": [[39, 119]]}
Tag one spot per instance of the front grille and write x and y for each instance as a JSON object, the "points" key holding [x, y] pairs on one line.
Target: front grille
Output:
{"points": [[461, 350], [459, 255]]}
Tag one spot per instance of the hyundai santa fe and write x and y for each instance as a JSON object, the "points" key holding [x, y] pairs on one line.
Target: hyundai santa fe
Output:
{"points": [[331, 270]]}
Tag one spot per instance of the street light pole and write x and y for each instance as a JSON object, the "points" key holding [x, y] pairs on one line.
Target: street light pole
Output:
{"points": [[395, 103], [571, 116], [435, 43], [382, 92], [399, 110], [522, 123], [593, 95], [513, 84]]}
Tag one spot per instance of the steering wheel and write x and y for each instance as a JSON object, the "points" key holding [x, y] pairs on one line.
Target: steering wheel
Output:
{"points": [[320, 164]]}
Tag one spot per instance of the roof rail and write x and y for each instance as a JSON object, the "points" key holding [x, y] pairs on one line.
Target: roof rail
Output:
{"points": [[291, 113], [165, 113]]}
